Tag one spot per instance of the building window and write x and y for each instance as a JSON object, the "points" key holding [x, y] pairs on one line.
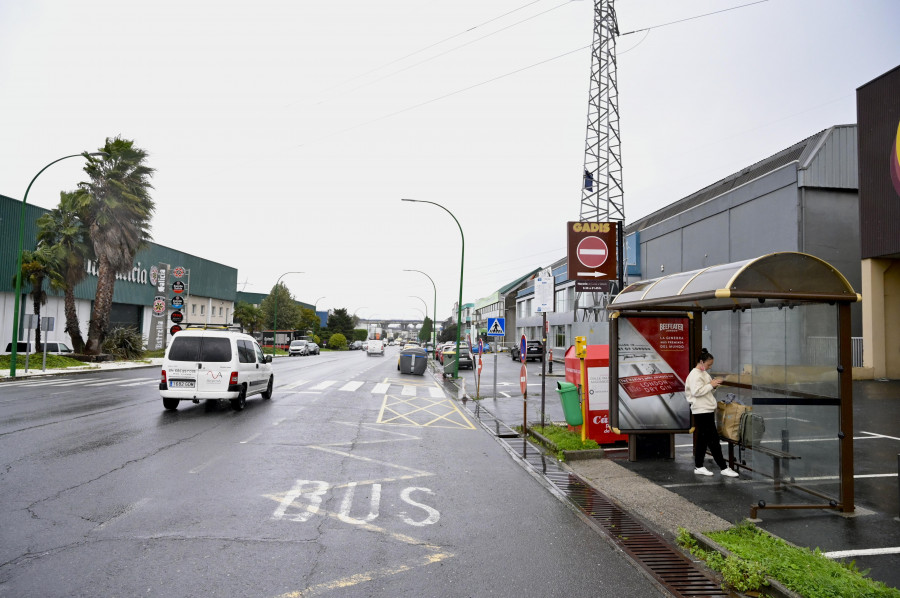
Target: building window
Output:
{"points": [[202, 310], [528, 307], [193, 309], [560, 337], [561, 304], [220, 311]]}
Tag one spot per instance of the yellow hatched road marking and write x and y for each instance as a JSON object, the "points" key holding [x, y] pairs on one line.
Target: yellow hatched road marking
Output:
{"points": [[428, 412]]}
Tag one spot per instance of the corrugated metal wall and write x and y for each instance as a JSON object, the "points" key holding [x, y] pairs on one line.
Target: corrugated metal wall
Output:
{"points": [[878, 115], [208, 278], [834, 162]]}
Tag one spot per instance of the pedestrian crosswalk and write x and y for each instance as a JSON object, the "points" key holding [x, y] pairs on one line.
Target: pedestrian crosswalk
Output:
{"points": [[394, 387]]}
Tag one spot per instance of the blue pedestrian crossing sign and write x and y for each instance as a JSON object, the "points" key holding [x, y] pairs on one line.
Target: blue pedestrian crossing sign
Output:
{"points": [[496, 327]]}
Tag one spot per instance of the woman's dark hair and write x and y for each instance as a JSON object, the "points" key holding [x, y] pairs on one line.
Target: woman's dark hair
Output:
{"points": [[705, 355]]}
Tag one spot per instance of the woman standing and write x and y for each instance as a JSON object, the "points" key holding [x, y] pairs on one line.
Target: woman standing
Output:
{"points": [[698, 390]]}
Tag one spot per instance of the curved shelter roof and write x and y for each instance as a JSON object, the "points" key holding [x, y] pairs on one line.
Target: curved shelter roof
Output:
{"points": [[783, 277]]}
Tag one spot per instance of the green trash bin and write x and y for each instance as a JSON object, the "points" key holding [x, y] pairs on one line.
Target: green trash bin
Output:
{"points": [[568, 395]]}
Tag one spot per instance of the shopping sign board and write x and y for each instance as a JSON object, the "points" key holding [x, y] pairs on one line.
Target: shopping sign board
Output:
{"points": [[653, 355], [157, 338], [592, 254]]}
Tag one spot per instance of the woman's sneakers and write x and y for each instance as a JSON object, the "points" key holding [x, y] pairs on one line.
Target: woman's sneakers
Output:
{"points": [[727, 472]]}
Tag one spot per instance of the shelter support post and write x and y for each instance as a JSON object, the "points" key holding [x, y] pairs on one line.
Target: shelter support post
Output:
{"points": [[845, 371]]}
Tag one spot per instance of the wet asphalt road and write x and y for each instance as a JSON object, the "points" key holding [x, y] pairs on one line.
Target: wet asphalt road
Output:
{"points": [[352, 481]]}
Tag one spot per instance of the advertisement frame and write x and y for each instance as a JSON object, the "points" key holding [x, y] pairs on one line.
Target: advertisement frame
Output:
{"points": [[616, 391]]}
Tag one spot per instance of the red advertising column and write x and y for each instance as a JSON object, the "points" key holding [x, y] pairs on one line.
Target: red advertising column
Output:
{"points": [[597, 391]]}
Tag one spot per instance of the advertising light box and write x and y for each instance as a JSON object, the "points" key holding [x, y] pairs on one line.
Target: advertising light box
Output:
{"points": [[654, 361]]}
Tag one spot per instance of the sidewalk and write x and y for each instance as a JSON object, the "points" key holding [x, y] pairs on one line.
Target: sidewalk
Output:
{"points": [[36, 372], [668, 495]]}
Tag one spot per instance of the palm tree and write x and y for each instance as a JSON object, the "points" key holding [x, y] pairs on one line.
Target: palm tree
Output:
{"points": [[117, 216], [37, 266], [63, 228]]}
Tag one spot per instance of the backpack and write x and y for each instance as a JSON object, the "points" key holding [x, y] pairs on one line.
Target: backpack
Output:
{"points": [[752, 427]]}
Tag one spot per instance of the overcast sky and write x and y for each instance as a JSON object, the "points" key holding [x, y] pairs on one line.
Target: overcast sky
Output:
{"points": [[284, 133]]}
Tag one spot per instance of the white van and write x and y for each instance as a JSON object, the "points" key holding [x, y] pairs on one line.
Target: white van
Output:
{"points": [[375, 347], [214, 364]]}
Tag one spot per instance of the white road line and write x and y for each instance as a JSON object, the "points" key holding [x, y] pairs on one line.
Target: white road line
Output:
{"points": [[381, 388], [408, 391], [839, 554], [506, 394], [107, 383], [308, 392], [278, 421], [435, 392], [351, 386], [294, 384], [200, 468], [139, 382], [323, 385], [254, 437], [57, 382], [876, 475], [874, 435]]}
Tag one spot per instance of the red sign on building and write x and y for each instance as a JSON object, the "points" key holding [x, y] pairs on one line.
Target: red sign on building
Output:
{"points": [[592, 254]]}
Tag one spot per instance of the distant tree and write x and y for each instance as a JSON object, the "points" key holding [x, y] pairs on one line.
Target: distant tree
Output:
{"points": [[448, 333], [338, 342], [288, 310], [309, 321], [340, 321], [117, 216], [37, 266], [360, 334], [63, 228], [425, 331], [249, 316]]}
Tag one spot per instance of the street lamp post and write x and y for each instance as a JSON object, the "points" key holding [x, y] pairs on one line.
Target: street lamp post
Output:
{"points": [[434, 313], [275, 317], [462, 261], [15, 334], [425, 305]]}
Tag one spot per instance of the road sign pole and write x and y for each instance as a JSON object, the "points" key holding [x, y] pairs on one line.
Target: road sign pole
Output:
{"points": [[543, 368], [495, 375]]}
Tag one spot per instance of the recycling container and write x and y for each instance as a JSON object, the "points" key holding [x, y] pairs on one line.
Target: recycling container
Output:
{"points": [[413, 361], [568, 395]]}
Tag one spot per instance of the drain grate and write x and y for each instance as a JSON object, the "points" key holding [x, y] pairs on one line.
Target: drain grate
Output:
{"points": [[670, 567]]}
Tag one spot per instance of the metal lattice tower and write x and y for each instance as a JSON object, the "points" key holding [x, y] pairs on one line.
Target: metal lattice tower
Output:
{"points": [[602, 197]]}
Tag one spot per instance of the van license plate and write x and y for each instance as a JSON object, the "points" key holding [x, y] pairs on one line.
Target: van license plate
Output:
{"points": [[181, 384]]}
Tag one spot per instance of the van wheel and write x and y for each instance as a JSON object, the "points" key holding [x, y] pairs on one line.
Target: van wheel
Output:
{"points": [[238, 403], [170, 404], [268, 393]]}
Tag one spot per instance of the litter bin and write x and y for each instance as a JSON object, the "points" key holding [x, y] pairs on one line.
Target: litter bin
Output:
{"points": [[568, 395], [413, 361]]}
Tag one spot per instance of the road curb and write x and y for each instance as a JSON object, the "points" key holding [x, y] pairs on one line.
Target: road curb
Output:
{"points": [[78, 372]]}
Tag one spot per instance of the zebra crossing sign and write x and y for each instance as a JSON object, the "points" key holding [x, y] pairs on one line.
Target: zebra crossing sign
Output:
{"points": [[496, 327]]}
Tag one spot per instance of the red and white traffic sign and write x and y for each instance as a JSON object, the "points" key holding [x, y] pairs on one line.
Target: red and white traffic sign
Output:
{"points": [[523, 380], [592, 252]]}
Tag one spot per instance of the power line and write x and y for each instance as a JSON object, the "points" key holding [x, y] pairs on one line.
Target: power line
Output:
{"points": [[692, 18], [428, 47]]}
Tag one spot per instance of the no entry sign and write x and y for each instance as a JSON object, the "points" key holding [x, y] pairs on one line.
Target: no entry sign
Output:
{"points": [[592, 251]]}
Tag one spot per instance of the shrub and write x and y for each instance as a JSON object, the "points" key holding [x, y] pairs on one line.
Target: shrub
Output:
{"points": [[338, 342], [124, 343]]}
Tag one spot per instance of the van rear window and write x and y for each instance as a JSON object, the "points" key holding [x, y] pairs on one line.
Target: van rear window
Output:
{"points": [[195, 348]]}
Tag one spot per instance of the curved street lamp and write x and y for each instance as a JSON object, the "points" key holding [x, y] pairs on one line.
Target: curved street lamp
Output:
{"points": [[462, 261], [275, 318], [434, 312], [426, 309], [15, 334]]}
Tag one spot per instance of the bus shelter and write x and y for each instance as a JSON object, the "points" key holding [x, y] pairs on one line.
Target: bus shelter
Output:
{"points": [[779, 328]]}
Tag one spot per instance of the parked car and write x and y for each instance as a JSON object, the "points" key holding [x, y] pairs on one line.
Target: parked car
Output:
{"points": [[298, 348], [535, 350], [375, 348], [439, 354], [53, 347], [465, 357], [214, 364], [313, 348], [355, 346]]}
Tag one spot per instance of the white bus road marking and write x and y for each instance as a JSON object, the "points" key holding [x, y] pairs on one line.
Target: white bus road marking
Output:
{"points": [[381, 388], [323, 385], [408, 391], [435, 392], [351, 386]]}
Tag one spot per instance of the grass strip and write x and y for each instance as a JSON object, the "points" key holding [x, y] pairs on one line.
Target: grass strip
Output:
{"points": [[36, 361], [805, 571], [563, 439]]}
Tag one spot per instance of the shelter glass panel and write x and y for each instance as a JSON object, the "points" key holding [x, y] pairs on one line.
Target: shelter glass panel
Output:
{"points": [[715, 277], [795, 397]]}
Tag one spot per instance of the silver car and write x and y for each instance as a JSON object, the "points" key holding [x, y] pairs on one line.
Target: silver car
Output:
{"points": [[300, 348]]}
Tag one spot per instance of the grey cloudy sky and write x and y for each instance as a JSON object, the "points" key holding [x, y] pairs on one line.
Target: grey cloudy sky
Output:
{"points": [[284, 133]]}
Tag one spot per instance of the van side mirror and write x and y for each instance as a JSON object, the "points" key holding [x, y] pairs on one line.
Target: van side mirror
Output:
{"points": [[268, 359]]}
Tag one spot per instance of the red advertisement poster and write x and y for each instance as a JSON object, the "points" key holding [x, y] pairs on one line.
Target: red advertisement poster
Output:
{"points": [[654, 360]]}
